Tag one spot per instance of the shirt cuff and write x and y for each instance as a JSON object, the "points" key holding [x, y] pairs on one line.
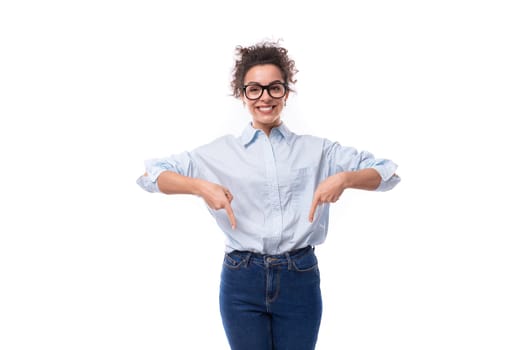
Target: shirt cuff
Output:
{"points": [[147, 184], [389, 179], [387, 185]]}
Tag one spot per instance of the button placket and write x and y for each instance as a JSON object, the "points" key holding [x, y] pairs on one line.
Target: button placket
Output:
{"points": [[275, 200]]}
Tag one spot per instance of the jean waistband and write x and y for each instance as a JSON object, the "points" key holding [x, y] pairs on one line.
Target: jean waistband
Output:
{"points": [[269, 259]]}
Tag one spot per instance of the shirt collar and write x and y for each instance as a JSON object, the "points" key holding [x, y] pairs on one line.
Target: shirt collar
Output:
{"points": [[249, 133], [285, 132]]}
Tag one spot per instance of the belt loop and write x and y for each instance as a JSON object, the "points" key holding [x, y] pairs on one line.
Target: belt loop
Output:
{"points": [[289, 260], [247, 259]]}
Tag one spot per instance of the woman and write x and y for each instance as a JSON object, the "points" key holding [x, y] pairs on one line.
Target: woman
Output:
{"points": [[269, 191]]}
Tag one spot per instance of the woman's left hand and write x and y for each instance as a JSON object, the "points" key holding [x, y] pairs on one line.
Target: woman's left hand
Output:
{"points": [[328, 191]]}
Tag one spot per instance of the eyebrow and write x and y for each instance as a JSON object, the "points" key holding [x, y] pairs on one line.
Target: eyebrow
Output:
{"points": [[270, 83]]}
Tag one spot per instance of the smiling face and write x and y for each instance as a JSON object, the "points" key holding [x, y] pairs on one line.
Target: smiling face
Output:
{"points": [[266, 110]]}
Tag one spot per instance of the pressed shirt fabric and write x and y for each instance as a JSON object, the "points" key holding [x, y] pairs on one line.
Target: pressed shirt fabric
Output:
{"points": [[272, 180]]}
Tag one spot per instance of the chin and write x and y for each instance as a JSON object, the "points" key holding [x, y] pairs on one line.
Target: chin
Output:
{"points": [[268, 120]]}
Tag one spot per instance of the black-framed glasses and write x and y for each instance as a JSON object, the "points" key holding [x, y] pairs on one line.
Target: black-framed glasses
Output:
{"points": [[254, 91]]}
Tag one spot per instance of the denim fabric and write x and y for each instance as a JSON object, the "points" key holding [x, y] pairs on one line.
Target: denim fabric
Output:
{"points": [[271, 302]]}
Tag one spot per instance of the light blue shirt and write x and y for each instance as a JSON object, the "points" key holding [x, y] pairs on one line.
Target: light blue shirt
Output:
{"points": [[272, 180]]}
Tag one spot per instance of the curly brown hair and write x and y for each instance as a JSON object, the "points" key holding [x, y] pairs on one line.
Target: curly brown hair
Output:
{"points": [[265, 52]]}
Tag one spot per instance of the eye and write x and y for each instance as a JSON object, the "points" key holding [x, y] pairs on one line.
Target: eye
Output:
{"points": [[278, 88], [253, 89]]}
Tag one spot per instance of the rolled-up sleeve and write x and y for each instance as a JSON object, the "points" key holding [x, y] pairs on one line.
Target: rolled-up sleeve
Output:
{"points": [[350, 159], [180, 163]]}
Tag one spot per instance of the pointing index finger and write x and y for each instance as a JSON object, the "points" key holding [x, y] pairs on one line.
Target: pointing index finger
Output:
{"points": [[315, 203], [231, 217]]}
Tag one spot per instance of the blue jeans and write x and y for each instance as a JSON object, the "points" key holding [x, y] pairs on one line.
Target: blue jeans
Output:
{"points": [[271, 302]]}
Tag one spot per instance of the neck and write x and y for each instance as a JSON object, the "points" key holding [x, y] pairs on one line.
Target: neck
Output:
{"points": [[266, 128]]}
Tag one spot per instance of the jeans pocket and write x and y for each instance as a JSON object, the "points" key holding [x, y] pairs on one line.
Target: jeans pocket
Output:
{"points": [[307, 262], [233, 261]]}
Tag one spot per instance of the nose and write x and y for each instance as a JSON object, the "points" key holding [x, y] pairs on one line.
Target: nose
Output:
{"points": [[265, 94]]}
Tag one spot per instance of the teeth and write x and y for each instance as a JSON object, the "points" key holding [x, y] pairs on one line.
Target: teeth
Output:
{"points": [[265, 109]]}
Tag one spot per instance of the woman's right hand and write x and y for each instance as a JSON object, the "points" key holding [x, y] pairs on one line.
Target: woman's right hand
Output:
{"points": [[217, 197]]}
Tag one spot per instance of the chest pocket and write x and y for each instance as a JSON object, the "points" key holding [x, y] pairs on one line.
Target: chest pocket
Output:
{"points": [[300, 178], [299, 186]]}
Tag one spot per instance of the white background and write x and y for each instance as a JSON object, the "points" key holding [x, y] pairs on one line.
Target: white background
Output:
{"points": [[90, 89]]}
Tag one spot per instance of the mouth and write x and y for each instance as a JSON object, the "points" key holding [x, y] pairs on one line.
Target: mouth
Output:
{"points": [[265, 109]]}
